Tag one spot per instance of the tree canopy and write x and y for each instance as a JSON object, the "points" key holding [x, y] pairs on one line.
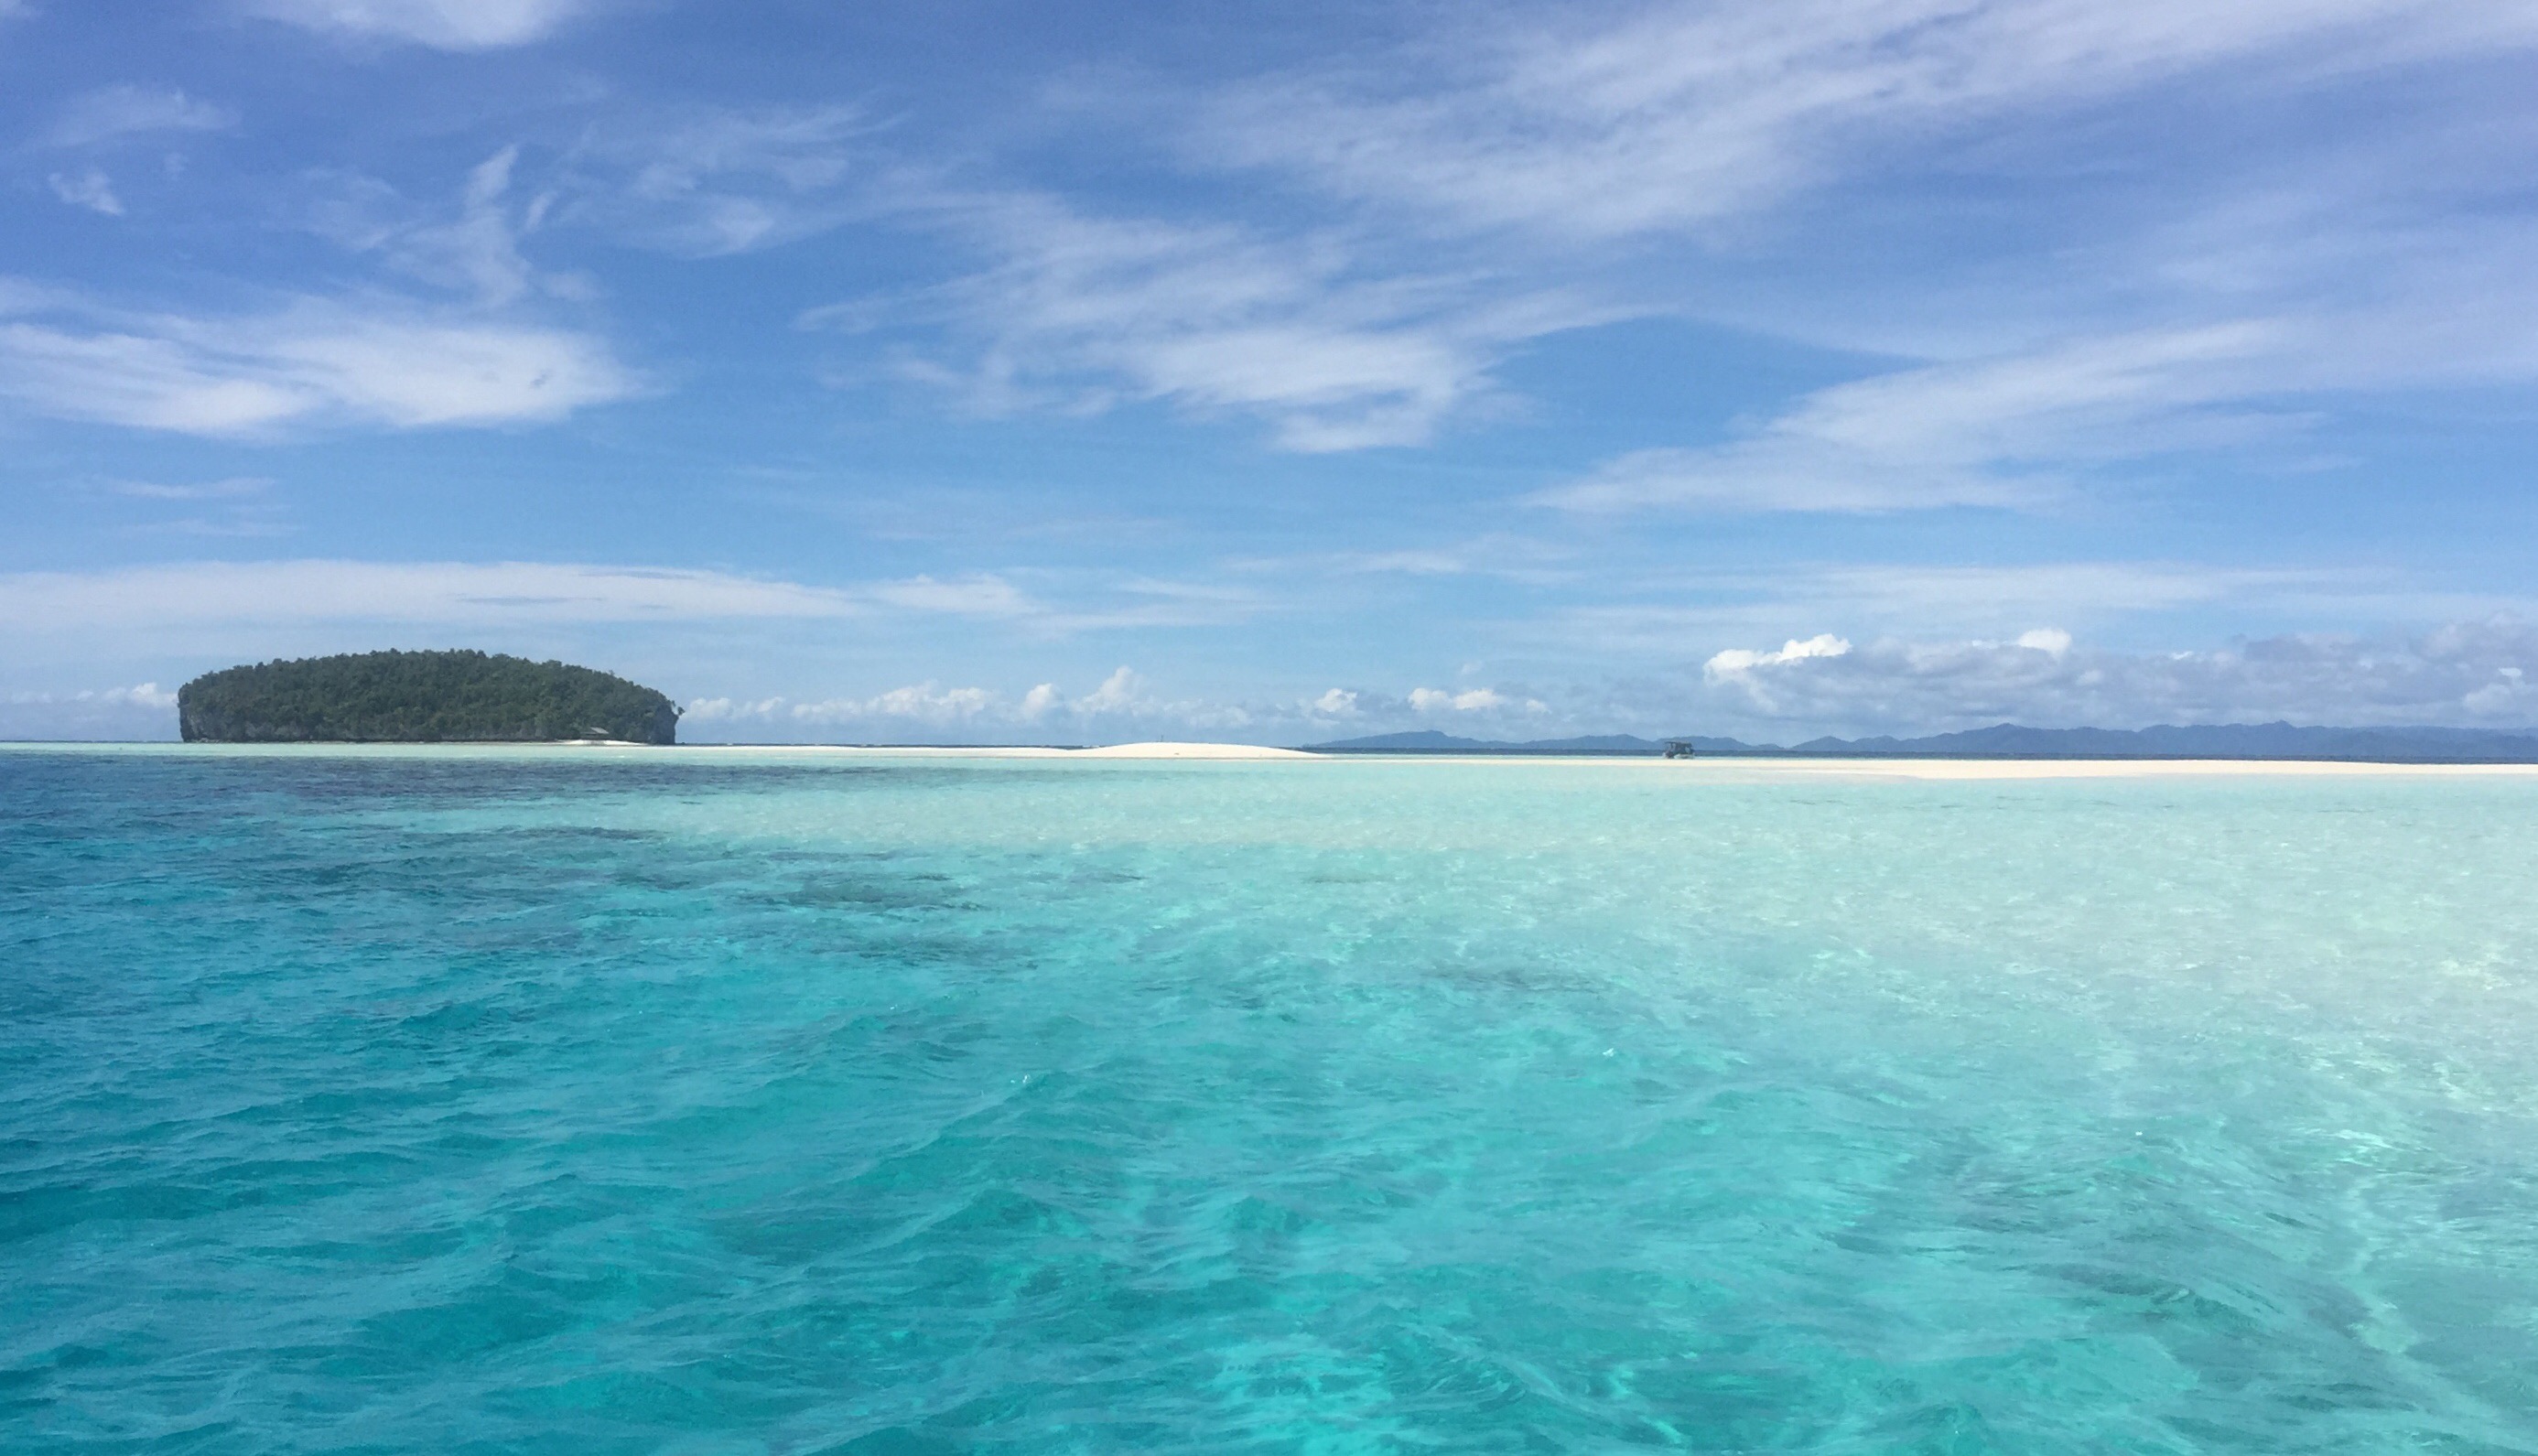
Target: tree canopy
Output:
{"points": [[461, 697]]}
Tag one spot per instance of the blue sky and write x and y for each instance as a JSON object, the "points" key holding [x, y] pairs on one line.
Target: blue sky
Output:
{"points": [[1060, 372]]}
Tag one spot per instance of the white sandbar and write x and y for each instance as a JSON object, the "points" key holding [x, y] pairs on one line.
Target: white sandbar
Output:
{"points": [[1712, 767], [1112, 751]]}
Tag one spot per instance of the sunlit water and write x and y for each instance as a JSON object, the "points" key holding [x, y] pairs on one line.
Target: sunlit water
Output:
{"points": [[519, 1101]]}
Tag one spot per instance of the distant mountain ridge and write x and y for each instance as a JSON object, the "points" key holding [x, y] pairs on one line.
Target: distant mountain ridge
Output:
{"points": [[2255, 741]]}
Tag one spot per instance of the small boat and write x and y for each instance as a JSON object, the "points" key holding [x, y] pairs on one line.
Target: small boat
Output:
{"points": [[1678, 748]]}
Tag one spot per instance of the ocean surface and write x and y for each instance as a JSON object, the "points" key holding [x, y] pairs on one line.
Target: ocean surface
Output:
{"points": [[668, 1101]]}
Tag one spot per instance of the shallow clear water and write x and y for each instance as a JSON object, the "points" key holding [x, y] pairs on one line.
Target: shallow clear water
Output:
{"points": [[519, 1101]]}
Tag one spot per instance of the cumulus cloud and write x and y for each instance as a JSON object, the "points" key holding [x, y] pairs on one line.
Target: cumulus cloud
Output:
{"points": [[1123, 703], [141, 694], [1736, 660], [1121, 691], [2051, 639], [927, 704], [143, 710], [2465, 674], [1654, 617], [444, 24], [1470, 700]]}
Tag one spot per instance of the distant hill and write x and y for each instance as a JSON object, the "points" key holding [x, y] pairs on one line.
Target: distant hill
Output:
{"points": [[2011, 741], [420, 697]]}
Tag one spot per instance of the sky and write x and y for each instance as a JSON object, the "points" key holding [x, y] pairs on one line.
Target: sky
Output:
{"points": [[1062, 373]]}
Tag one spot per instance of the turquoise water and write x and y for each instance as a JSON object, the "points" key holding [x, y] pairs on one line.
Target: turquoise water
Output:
{"points": [[516, 1101]]}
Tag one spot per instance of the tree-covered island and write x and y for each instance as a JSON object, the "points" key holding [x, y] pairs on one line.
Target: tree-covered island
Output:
{"points": [[420, 697]]}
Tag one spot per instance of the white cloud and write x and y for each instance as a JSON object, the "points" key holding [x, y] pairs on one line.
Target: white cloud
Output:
{"points": [[1470, 700], [143, 695], [1999, 432], [2463, 673], [90, 189], [1737, 660], [317, 591], [720, 182], [229, 488], [472, 249], [1657, 617], [478, 252], [1338, 702], [1079, 313], [141, 712], [291, 592], [1123, 703], [413, 373], [120, 111], [971, 596], [925, 703], [1120, 693], [1675, 116], [314, 363], [2122, 300], [444, 24], [703, 710], [2051, 639]]}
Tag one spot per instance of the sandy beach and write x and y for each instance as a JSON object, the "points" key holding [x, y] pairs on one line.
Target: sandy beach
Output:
{"points": [[1719, 768]]}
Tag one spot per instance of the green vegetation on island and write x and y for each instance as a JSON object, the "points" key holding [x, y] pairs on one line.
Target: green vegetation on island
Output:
{"points": [[420, 697]]}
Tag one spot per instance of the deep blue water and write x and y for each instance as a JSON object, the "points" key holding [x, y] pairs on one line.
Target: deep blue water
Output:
{"points": [[541, 1101]]}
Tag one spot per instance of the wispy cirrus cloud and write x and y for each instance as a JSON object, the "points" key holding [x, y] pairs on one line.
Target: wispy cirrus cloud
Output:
{"points": [[1670, 153], [1992, 431], [443, 24], [1080, 312], [1677, 116], [473, 248], [303, 592], [430, 593], [310, 363], [717, 182], [92, 189], [111, 113]]}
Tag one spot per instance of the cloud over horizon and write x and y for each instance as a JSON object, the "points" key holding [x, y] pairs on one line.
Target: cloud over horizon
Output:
{"points": [[1802, 367]]}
